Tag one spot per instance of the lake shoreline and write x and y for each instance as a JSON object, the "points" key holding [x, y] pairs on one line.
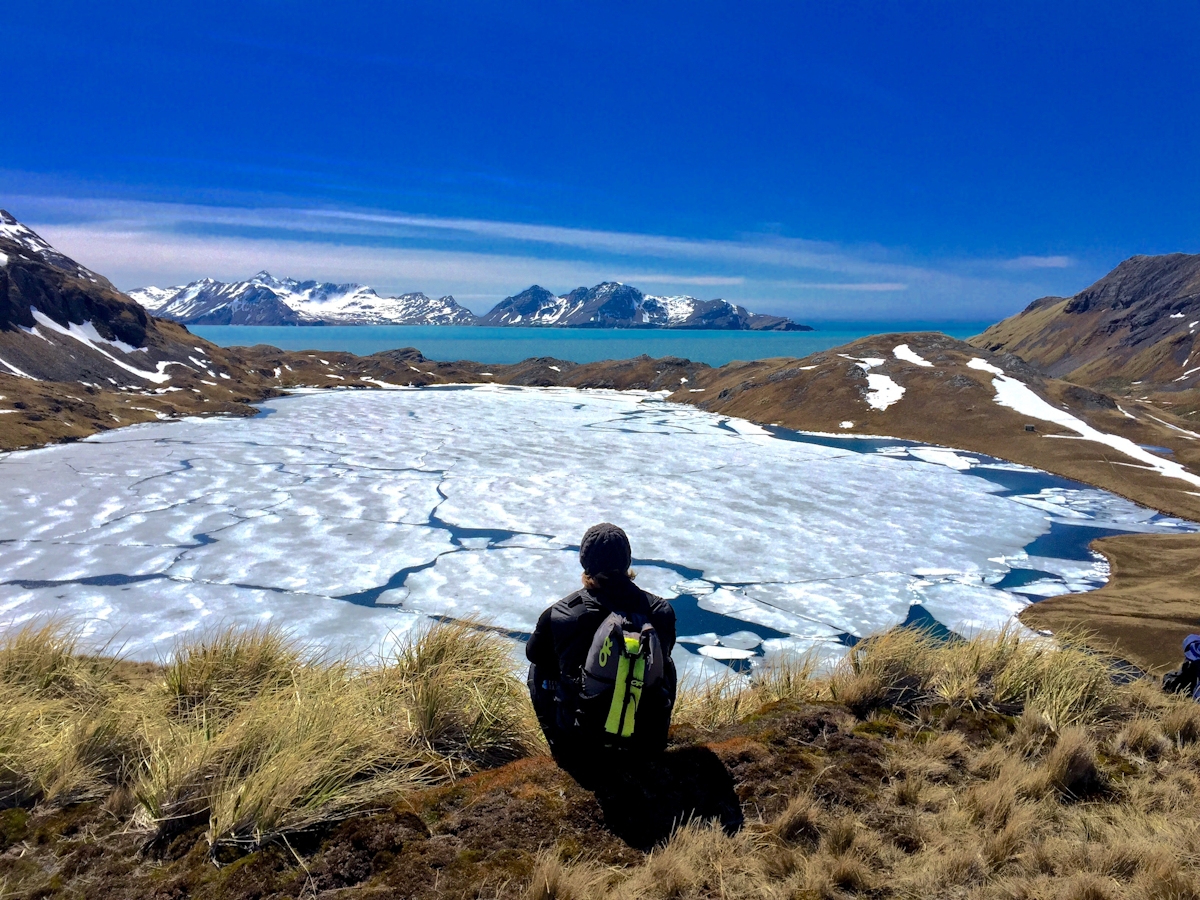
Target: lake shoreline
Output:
{"points": [[948, 403]]}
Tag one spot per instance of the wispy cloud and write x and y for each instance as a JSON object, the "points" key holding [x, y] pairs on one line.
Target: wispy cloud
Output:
{"points": [[697, 280], [868, 286], [1040, 262], [138, 242]]}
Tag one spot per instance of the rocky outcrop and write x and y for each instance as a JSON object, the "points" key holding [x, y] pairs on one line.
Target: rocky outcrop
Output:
{"points": [[1139, 325]]}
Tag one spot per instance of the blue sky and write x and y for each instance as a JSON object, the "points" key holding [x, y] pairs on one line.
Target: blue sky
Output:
{"points": [[829, 161]]}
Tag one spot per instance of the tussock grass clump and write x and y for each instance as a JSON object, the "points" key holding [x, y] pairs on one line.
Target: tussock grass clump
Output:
{"points": [[1181, 723], [454, 688], [1004, 766], [714, 702], [66, 732], [1065, 682], [219, 671], [1055, 683], [1071, 767], [250, 733]]}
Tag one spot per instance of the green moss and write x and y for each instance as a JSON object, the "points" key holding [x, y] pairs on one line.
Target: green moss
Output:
{"points": [[49, 889], [569, 849], [382, 861], [878, 728], [14, 826], [64, 822], [1117, 767]]}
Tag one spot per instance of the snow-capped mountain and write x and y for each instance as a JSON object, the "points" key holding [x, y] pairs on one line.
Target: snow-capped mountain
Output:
{"points": [[267, 300], [615, 305], [31, 245], [61, 322]]}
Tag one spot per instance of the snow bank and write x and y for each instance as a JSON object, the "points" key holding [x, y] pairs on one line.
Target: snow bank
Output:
{"points": [[87, 335], [1016, 395], [904, 352], [1190, 434], [882, 392], [14, 370]]}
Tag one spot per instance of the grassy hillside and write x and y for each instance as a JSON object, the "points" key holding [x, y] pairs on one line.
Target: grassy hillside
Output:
{"points": [[248, 767]]}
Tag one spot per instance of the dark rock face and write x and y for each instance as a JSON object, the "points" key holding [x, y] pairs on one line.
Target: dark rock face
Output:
{"points": [[525, 306], [614, 305], [1136, 324], [88, 331], [717, 314], [29, 284], [255, 307], [36, 276], [606, 305], [1155, 285], [23, 243]]}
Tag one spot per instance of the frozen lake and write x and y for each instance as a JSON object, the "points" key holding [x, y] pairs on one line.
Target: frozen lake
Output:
{"points": [[350, 516]]}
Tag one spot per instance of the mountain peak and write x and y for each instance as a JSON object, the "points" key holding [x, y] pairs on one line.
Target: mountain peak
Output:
{"points": [[39, 248], [614, 304], [1114, 330], [267, 300]]}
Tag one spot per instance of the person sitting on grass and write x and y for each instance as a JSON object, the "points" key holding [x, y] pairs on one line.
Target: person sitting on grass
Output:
{"points": [[1186, 679], [600, 675]]}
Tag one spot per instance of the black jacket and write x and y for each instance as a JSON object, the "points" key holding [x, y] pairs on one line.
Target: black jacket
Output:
{"points": [[1184, 680], [560, 643]]}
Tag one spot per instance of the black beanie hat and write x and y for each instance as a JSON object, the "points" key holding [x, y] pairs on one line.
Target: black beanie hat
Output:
{"points": [[605, 548]]}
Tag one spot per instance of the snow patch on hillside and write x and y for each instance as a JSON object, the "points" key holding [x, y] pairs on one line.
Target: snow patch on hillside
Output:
{"points": [[87, 335], [882, 391], [15, 371], [1017, 395], [904, 352]]}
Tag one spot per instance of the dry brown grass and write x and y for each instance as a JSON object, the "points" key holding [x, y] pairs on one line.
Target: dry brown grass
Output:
{"points": [[1010, 767], [1087, 792], [250, 732]]}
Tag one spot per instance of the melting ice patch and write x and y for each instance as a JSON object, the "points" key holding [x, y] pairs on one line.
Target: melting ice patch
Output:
{"points": [[351, 516]]}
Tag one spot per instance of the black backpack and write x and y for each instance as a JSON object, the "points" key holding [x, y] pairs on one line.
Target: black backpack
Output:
{"points": [[623, 686]]}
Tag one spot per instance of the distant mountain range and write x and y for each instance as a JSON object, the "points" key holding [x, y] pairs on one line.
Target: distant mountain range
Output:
{"points": [[266, 300]]}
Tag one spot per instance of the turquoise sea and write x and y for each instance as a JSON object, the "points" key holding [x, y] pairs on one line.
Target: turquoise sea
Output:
{"points": [[512, 344]]}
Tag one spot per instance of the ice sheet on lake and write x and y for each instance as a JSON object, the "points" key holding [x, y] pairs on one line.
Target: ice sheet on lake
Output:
{"points": [[349, 515]]}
